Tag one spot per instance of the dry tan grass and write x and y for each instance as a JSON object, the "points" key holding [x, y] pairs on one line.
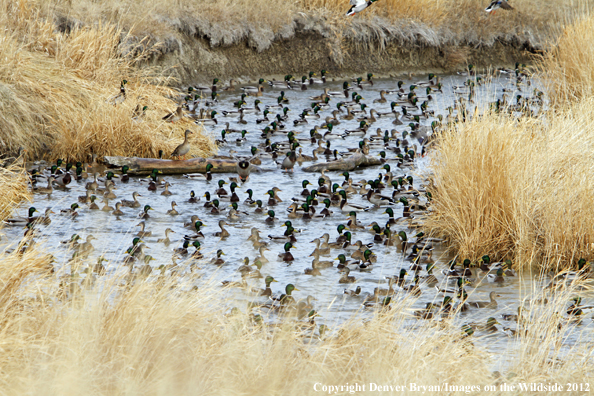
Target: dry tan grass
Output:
{"points": [[566, 68], [15, 189], [517, 189], [55, 92], [59, 337], [259, 23]]}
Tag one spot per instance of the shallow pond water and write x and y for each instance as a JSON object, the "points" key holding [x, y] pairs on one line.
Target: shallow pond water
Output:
{"points": [[114, 234]]}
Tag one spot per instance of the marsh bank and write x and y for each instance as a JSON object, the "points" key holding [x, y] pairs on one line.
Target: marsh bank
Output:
{"points": [[193, 59]]}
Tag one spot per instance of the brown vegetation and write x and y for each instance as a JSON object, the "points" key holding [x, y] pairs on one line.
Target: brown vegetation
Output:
{"points": [[260, 23], [517, 189], [159, 336], [566, 68], [56, 91], [15, 188]]}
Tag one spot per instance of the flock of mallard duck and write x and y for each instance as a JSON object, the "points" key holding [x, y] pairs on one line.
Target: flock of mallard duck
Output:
{"points": [[369, 219]]}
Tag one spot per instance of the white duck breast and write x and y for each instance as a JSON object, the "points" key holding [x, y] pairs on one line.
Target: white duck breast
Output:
{"points": [[358, 6]]}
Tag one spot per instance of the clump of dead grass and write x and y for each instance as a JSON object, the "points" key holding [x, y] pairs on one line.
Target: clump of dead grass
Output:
{"points": [[56, 90], [63, 334], [15, 188], [566, 67], [517, 189]]}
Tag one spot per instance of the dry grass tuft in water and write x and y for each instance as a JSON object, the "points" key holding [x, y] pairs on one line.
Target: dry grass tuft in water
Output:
{"points": [[517, 189], [56, 89], [14, 183], [566, 69], [75, 334]]}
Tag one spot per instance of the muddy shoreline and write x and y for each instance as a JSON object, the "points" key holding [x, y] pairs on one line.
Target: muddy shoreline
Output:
{"points": [[195, 60]]}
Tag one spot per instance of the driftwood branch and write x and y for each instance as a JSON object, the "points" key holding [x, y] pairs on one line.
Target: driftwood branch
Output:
{"points": [[140, 166], [345, 164]]}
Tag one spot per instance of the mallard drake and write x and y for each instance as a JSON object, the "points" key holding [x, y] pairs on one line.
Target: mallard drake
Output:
{"points": [[184, 249], [193, 198], [353, 293], [64, 178], [347, 207], [121, 96], [267, 291], [343, 262], [197, 225], [270, 219], [200, 176], [250, 199], [72, 210], [287, 256], [166, 241], [221, 190], [184, 148], [489, 327], [217, 260], [125, 177], [209, 120], [281, 84], [272, 200], [497, 277], [197, 255], [22, 220], [496, 4], [259, 208], [352, 223], [358, 6], [485, 304], [93, 205], [400, 279], [287, 298], [144, 214]]}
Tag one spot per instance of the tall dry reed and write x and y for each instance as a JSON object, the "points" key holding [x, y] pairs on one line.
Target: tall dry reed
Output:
{"points": [[15, 188], [566, 68], [66, 334], [56, 91], [517, 189]]}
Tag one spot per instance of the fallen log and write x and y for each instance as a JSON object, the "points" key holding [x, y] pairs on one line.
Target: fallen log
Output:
{"points": [[144, 166], [346, 164]]}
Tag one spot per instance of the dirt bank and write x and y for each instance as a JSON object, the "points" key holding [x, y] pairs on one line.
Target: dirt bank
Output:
{"points": [[195, 59]]}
